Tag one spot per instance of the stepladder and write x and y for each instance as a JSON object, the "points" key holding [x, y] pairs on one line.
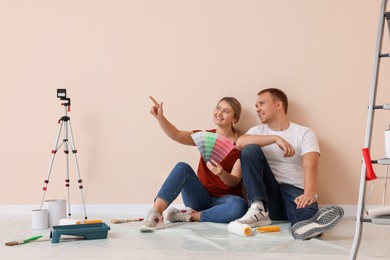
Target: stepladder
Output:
{"points": [[367, 170]]}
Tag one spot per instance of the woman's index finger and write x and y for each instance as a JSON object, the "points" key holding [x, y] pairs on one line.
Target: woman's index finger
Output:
{"points": [[154, 101]]}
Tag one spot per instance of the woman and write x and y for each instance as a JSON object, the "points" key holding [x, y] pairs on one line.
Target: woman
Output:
{"points": [[214, 194]]}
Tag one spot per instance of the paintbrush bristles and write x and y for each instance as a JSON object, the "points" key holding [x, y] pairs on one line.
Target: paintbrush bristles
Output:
{"points": [[14, 243]]}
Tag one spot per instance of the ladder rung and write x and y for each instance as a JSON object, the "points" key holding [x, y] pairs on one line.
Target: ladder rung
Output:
{"points": [[382, 178], [383, 161], [384, 106], [387, 15], [365, 219], [384, 55], [380, 220]]}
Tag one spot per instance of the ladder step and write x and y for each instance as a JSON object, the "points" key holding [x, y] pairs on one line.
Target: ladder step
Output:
{"points": [[387, 15], [366, 220], [383, 161], [384, 106], [381, 220], [384, 55]]}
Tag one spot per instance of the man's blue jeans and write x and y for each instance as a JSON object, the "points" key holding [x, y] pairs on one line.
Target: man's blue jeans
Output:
{"points": [[213, 209], [260, 184]]}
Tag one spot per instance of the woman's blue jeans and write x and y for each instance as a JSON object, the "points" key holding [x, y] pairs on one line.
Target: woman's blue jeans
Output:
{"points": [[260, 184], [212, 209]]}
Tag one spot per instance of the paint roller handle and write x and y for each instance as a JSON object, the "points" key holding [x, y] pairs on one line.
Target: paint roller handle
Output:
{"points": [[92, 221], [268, 229]]}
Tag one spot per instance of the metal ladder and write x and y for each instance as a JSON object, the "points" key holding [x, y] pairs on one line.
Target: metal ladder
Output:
{"points": [[360, 219]]}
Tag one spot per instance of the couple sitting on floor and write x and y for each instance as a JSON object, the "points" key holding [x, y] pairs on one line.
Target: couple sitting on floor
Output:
{"points": [[276, 162]]}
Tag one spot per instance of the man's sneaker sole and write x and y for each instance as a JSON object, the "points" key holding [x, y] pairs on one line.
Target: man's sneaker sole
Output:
{"points": [[326, 218]]}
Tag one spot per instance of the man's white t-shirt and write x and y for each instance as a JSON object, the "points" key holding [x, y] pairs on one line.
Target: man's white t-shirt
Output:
{"points": [[288, 169]]}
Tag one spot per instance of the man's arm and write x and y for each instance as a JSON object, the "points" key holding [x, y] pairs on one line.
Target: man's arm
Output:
{"points": [[310, 167], [260, 140], [264, 140]]}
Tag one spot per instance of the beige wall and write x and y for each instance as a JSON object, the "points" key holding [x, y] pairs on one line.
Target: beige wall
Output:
{"points": [[111, 55]]}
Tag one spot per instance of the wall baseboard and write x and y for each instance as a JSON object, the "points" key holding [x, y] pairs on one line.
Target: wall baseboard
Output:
{"points": [[92, 209], [121, 209]]}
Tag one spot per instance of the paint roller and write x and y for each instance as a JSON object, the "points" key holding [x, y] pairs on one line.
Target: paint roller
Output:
{"points": [[245, 230], [239, 229]]}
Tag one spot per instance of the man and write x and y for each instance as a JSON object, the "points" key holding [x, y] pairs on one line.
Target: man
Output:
{"points": [[279, 161]]}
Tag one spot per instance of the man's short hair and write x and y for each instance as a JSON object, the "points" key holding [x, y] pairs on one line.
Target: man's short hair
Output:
{"points": [[277, 95]]}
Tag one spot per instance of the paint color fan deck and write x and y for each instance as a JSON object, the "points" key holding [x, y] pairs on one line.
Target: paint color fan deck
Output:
{"points": [[212, 146]]}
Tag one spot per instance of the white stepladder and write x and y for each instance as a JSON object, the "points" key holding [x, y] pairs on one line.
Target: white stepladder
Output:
{"points": [[67, 142], [367, 173]]}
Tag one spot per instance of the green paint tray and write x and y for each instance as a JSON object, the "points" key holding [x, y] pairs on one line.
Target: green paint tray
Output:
{"points": [[88, 231]]}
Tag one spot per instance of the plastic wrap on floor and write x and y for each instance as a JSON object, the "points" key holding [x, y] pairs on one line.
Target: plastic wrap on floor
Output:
{"points": [[191, 240]]}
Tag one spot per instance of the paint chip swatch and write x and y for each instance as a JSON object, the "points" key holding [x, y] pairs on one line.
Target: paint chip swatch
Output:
{"points": [[212, 146]]}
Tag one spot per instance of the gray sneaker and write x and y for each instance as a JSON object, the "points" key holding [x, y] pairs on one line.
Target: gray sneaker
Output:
{"points": [[177, 215], [153, 221], [326, 218], [255, 217]]}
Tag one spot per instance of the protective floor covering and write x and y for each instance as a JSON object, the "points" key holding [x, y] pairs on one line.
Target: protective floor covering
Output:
{"points": [[192, 241]]}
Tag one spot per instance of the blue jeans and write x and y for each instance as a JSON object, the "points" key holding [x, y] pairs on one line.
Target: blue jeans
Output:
{"points": [[260, 184], [212, 209]]}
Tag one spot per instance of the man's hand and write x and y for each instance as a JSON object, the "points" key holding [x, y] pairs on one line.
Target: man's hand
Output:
{"points": [[304, 200], [285, 146]]}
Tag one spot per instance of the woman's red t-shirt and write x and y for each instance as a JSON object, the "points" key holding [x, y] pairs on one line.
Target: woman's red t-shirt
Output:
{"points": [[213, 183]]}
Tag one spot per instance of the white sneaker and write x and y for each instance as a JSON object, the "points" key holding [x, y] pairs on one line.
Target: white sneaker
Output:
{"points": [[326, 218], [153, 221], [177, 215], [255, 217]]}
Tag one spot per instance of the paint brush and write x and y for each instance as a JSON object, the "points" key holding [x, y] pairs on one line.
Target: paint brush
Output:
{"points": [[118, 221], [22, 241]]}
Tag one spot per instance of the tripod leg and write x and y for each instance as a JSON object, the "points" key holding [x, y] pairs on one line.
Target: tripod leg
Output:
{"points": [[66, 151], [56, 147], [80, 181]]}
